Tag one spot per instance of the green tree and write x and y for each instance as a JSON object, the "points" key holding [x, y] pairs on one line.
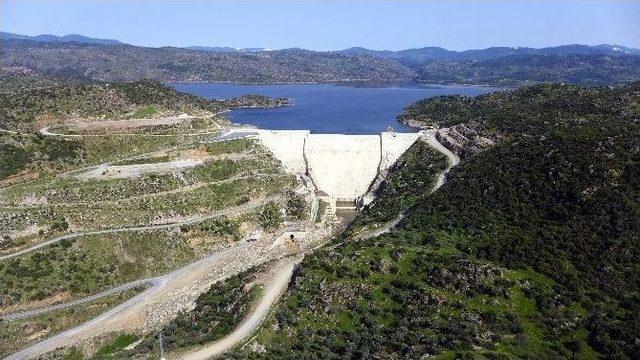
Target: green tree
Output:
{"points": [[270, 217], [296, 206]]}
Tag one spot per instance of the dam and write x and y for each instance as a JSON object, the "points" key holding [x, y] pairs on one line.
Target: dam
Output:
{"points": [[342, 168]]}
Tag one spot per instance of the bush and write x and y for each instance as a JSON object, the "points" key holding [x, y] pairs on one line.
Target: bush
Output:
{"points": [[296, 206], [270, 217], [119, 343], [12, 160]]}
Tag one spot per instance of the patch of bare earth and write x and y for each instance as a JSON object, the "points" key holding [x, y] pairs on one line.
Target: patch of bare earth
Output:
{"points": [[28, 231], [128, 123], [32, 199], [196, 154], [22, 176], [108, 172]]}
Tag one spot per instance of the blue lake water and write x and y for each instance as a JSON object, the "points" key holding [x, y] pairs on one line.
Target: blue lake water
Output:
{"points": [[328, 108]]}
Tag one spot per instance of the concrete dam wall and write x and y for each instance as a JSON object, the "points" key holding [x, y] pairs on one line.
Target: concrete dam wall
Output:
{"points": [[342, 166], [287, 146]]}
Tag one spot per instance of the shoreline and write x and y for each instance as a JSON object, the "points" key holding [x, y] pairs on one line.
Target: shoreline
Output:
{"points": [[351, 83]]}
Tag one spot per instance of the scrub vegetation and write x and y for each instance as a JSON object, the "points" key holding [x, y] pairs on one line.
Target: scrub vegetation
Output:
{"points": [[217, 312], [16, 334], [86, 265], [47, 192], [22, 109], [413, 177], [529, 250]]}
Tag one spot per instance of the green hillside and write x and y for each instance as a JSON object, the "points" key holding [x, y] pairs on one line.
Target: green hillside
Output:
{"points": [[530, 250]]}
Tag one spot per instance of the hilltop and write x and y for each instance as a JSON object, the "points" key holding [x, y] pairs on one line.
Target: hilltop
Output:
{"points": [[47, 38], [29, 99], [130, 63], [30, 102]]}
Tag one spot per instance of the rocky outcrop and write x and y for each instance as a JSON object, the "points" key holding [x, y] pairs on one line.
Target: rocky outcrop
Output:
{"points": [[466, 139]]}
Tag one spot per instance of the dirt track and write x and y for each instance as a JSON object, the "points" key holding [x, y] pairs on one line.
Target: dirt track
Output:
{"points": [[254, 174], [131, 314], [226, 212], [452, 160], [275, 285], [130, 123], [133, 171]]}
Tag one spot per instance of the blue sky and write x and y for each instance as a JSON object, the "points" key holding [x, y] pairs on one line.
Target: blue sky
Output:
{"points": [[330, 25]]}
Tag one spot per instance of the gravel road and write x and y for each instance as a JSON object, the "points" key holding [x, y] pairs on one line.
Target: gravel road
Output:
{"points": [[452, 160], [45, 131], [275, 285], [112, 291], [226, 212], [129, 313]]}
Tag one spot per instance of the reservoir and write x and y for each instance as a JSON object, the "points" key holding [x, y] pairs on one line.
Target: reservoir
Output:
{"points": [[328, 108]]}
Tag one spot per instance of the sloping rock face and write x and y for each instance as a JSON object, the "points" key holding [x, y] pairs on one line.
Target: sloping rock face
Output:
{"points": [[465, 139]]}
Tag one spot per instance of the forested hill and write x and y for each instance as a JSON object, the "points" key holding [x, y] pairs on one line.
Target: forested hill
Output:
{"points": [[418, 56], [130, 63], [531, 109], [27, 99], [529, 250], [585, 69], [82, 59]]}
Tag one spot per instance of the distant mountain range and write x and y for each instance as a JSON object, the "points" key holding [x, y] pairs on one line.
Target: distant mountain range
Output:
{"points": [[417, 57], [77, 56], [54, 38], [225, 49]]}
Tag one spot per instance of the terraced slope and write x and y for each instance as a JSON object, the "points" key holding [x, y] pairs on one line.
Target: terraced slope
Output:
{"points": [[107, 208]]}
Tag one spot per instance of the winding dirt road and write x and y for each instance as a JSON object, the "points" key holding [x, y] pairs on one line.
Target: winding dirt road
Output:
{"points": [[275, 285], [429, 136], [128, 314], [245, 175], [224, 212], [452, 159], [112, 291], [45, 131]]}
